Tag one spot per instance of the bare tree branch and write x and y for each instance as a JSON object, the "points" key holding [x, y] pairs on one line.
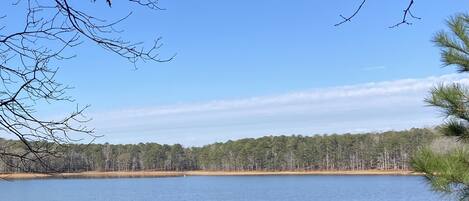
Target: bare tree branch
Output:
{"points": [[348, 19], [27, 77], [407, 13]]}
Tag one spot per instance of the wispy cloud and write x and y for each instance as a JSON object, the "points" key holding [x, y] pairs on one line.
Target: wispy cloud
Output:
{"points": [[364, 107], [373, 68]]}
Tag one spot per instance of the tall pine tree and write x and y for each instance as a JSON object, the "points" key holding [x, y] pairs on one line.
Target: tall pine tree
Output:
{"points": [[447, 166]]}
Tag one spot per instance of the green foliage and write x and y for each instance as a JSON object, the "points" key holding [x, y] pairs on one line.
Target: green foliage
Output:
{"points": [[455, 45], [448, 170], [456, 128], [388, 150], [451, 99]]}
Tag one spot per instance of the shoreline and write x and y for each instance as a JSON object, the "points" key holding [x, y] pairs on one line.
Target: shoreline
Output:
{"points": [[150, 174]]}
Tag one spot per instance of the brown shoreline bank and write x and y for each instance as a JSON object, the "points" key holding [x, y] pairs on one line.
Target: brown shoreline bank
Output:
{"points": [[137, 174]]}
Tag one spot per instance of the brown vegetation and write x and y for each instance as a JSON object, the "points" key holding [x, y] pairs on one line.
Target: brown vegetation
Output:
{"points": [[130, 174]]}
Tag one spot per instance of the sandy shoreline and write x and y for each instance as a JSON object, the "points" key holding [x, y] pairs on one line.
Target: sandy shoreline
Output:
{"points": [[197, 173]]}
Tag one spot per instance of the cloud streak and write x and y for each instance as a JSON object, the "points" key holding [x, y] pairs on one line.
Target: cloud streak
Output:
{"points": [[356, 108], [373, 68]]}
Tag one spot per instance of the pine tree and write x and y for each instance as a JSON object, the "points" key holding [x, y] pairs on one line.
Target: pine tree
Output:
{"points": [[447, 165]]}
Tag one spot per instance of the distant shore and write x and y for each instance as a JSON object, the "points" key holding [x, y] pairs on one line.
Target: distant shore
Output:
{"points": [[138, 174]]}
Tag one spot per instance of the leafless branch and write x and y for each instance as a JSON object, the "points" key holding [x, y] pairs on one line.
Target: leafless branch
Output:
{"points": [[407, 13], [27, 77], [349, 18]]}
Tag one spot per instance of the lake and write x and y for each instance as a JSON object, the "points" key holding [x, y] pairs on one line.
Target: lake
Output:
{"points": [[217, 188]]}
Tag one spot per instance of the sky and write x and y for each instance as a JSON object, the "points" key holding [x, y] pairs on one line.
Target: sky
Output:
{"points": [[254, 68]]}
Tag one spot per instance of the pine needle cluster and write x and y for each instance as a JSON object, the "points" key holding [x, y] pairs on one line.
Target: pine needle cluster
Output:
{"points": [[448, 170]]}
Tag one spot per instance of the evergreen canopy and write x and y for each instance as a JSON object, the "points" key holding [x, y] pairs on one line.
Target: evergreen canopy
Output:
{"points": [[447, 170]]}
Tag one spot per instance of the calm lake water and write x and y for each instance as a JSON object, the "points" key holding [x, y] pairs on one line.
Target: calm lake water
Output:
{"points": [[219, 188]]}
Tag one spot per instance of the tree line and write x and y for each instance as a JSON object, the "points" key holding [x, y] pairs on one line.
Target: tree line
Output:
{"points": [[385, 151]]}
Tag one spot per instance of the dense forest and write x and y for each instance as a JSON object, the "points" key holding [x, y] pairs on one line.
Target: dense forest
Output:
{"points": [[387, 150]]}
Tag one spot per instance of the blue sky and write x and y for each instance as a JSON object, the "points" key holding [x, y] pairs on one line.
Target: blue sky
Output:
{"points": [[231, 54], [235, 49]]}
